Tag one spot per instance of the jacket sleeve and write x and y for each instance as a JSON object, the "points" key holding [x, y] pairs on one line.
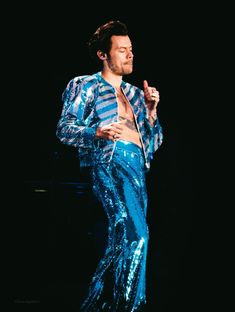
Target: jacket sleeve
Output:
{"points": [[154, 133], [157, 136], [75, 125]]}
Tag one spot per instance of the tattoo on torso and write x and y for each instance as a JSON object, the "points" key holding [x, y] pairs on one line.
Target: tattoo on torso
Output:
{"points": [[129, 123]]}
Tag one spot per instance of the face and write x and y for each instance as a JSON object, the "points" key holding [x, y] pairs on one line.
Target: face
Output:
{"points": [[120, 59]]}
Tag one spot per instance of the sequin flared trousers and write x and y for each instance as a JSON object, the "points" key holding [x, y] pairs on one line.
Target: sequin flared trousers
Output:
{"points": [[119, 282]]}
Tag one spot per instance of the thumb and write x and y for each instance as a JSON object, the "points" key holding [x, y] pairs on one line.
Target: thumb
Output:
{"points": [[145, 84]]}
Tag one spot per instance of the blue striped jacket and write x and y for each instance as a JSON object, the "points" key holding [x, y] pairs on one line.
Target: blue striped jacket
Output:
{"points": [[90, 102]]}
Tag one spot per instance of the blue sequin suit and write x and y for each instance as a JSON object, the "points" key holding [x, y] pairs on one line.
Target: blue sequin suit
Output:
{"points": [[118, 177]]}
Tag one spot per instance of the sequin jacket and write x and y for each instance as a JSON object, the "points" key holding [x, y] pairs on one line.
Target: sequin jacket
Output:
{"points": [[90, 102]]}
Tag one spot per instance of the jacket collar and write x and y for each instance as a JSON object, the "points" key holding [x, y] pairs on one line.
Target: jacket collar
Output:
{"points": [[103, 81]]}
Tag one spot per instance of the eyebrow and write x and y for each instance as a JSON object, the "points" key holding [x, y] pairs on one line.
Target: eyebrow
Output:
{"points": [[124, 47]]}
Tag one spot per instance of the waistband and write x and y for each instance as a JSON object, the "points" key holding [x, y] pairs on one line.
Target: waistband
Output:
{"points": [[128, 146]]}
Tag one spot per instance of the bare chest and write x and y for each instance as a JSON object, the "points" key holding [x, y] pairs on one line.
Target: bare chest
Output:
{"points": [[124, 107]]}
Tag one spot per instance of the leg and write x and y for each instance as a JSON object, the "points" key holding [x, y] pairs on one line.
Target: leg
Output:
{"points": [[119, 281]]}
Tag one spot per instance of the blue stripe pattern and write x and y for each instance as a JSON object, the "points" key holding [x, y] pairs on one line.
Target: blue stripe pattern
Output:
{"points": [[90, 102]]}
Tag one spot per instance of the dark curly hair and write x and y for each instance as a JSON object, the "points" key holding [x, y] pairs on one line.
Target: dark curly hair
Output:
{"points": [[101, 39]]}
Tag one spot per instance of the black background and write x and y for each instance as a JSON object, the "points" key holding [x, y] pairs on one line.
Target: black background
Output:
{"points": [[55, 228]]}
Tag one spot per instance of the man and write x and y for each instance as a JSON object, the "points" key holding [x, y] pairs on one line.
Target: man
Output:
{"points": [[116, 129]]}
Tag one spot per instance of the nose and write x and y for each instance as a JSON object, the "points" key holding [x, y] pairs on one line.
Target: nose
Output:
{"points": [[130, 54]]}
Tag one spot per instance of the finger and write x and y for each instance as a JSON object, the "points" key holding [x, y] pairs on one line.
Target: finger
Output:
{"points": [[145, 84], [115, 132], [117, 126], [115, 137], [105, 131], [154, 92], [118, 132]]}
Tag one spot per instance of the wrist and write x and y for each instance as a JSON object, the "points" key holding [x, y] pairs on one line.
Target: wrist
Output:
{"points": [[98, 133], [152, 118], [152, 114]]}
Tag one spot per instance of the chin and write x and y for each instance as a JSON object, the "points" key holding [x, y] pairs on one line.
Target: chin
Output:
{"points": [[129, 71]]}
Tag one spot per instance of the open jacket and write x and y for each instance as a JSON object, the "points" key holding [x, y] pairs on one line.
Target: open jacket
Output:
{"points": [[91, 102]]}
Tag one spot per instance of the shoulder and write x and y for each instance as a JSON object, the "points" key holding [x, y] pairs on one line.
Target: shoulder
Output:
{"points": [[78, 83], [129, 88], [85, 80]]}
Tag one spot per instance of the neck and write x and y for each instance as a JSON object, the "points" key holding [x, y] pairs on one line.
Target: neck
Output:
{"points": [[114, 80]]}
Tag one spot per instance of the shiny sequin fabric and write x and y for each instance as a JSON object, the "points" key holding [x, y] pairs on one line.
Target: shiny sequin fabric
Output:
{"points": [[118, 175], [119, 281], [90, 102]]}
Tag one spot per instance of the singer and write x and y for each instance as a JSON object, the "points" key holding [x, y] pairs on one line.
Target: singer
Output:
{"points": [[116, 129]]}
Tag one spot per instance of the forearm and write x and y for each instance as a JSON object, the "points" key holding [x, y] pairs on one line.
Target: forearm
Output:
{"points": [[152, 116]]}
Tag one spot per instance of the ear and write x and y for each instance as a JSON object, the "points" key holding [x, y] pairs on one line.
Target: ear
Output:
{"points": [[101, 55]]}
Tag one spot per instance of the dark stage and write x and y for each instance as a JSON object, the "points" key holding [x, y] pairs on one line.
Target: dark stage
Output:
{"points": [[57, 233]]}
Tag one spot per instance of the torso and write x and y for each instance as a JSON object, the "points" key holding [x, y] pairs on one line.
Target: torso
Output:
{"points": [[125, 113]]}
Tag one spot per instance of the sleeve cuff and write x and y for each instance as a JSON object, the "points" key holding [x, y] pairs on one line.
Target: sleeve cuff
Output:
{"points": [[89, 136]]}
